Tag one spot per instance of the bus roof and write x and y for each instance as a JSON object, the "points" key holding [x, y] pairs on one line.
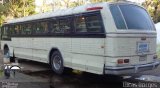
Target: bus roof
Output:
{"points": [[63, 12]]}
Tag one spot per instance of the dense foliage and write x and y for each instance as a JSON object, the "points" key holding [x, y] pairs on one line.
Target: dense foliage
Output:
{"points": [[16, 8], [153, 7]]}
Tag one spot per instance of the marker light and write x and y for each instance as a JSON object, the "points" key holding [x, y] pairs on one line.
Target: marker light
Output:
{"points": [[126, 60], [123, 61], [94, 8], [120, 61]]}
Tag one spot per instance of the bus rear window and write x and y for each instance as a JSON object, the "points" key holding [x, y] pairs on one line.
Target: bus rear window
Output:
{"points": [[135, 17], [117, 16]]}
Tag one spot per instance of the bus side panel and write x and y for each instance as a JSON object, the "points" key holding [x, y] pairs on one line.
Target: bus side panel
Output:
{"points": [[22, 47], [43, 46], [39, 49], [64, 47], [88, 54]]}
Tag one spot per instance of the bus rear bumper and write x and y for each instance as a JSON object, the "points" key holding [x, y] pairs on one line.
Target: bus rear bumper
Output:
{"points": [[131, 69]]}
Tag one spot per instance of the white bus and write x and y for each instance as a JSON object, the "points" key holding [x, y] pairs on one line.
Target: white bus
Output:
{"points": [[102, 38]]}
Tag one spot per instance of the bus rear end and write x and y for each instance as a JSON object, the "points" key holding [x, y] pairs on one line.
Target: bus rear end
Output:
{"points": [[131, 47]]}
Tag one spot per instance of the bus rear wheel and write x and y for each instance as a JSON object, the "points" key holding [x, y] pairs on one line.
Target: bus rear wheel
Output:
{"points": [[57, 62]]}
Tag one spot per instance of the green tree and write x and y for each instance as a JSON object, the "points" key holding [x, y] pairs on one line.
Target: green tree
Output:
{"points": [[153, 7], [16, 8], [95, 1], [3, 13], [20, 8], [78, 3]]}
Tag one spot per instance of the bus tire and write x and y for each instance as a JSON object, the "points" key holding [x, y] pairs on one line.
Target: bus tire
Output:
{"points": [[57, 62]]}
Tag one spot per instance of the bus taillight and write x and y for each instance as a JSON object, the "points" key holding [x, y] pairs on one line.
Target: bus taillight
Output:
{"points": [[123, 61], [126, 60], [120, 61]]}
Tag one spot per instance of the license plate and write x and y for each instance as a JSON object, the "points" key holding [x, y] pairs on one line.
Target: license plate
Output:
{"points": [[142, 58], [143, 47]]}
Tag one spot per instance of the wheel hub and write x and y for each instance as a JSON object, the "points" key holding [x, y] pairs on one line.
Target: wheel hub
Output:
{"points": [[57, 62]]}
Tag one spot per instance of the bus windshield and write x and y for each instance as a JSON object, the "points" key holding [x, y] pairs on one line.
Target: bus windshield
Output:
{"points": [[131, 17]]}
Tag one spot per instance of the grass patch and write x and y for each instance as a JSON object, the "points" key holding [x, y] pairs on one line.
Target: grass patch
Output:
{"points": [[1, 73], [77, 72]]}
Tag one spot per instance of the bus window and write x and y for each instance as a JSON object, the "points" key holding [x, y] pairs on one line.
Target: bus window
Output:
{"points": [[42, 27], [34, 27], [28, 29], [5, 32], [55, 26], [2, 32], [38, 29], [17, 29], [131, 17], [2, 29], [65, 25], [11, 28], [93, 23], [45, 26], [88, 23], [117, 16], [136, 17], [23, 26], [80, 24]]}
